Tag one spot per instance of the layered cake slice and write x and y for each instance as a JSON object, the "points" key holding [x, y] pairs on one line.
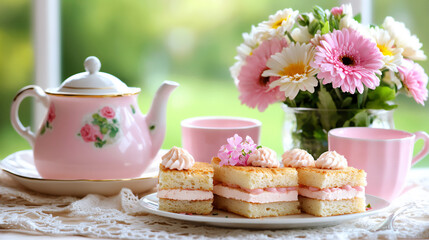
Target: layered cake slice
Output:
{"points": [[185, 186], [331, 187], [250, 183]]}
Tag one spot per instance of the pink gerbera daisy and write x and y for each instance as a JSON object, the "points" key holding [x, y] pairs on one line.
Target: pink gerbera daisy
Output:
{"points": [[254, 88], [415, 80], [348, 60]]}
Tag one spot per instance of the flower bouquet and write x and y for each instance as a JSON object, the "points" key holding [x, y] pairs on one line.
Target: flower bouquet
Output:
{"points": [[328, 60]]}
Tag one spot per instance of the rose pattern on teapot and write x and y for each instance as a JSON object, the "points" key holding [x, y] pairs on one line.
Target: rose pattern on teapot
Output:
{"points": [[49, 121], [102, 128]]}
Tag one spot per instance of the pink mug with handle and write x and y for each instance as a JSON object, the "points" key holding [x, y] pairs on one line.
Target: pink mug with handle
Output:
{"points": [[385, 154]]}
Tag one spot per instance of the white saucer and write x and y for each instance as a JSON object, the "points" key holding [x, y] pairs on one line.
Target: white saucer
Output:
{"points": [[225, 219], [20, 166]]}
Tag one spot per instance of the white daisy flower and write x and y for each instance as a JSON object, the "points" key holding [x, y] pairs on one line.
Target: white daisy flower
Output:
{"points": [[235, 70], [243, 50], [250, 43], [292, 65], [277, 24], [404, 39], [392, 56]]}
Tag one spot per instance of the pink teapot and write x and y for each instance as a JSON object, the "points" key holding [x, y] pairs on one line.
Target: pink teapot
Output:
{"points": [[94, 128]]}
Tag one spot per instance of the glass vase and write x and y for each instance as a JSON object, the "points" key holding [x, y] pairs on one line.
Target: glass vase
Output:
{"points": [[307, 128]]}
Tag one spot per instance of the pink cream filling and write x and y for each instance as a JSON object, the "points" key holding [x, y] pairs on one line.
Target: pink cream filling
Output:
{"points": [[184, 194], [338, 193], [266, 195]]}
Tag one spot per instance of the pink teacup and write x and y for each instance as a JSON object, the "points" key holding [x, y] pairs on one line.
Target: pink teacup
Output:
{"points": [[203, 136], [385, 154]]}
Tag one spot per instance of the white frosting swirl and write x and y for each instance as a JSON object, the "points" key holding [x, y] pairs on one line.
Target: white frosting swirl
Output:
{"points": [[178, 158], [263, 157], [331, 160], [297, 158]]}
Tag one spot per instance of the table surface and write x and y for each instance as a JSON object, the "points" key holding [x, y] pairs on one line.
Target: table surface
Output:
{"points": [[418, 218]]}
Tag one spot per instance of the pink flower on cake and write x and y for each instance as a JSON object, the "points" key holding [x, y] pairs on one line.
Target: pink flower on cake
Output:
{"points": [[90, 133], [348, 61], [249, 145], [254, 88], [236, 152], [415, 80], [108, 112]]}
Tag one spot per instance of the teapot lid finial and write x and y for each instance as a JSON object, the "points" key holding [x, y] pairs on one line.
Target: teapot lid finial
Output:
{"points": [[92, 64], [93, 83]]}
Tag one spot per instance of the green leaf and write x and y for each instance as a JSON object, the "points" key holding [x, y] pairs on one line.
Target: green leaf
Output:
{"points": [[319, 13], [113, 131], [325, 28], [104, 129], [359, 100], [314, 27], [328, 119], [99, 143], [133, 110], [98, 120], [380, 105], [325, 99], [381, 97], [346, 102], [358, 17], [319, 134], [383, 93], [43, 130], [96, 116], [114, 120], [303, 20], [361, 119]]}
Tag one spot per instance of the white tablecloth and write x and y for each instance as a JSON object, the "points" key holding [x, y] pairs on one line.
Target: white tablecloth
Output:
{"points": [[24, 213]]}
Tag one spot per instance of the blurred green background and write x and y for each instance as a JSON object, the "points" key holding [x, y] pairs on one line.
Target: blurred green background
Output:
{"points": [[191, 42]]}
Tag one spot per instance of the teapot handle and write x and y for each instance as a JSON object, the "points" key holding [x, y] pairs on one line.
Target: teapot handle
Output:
{"points": [[29, 91]]}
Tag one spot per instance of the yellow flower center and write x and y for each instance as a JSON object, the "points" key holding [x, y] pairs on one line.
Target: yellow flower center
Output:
{"points": [[384, 50], [278, 23], [293, 69]]}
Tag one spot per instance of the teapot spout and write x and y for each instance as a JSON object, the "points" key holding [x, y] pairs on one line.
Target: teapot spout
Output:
{"points": [[156, 117]]}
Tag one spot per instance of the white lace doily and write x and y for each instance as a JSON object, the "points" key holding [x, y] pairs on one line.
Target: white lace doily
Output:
{"points": [[121, 217]]}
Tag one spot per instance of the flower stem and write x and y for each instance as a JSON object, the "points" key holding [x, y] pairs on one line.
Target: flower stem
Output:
{"points": [[365, 95], [337, 91], [290, 37]]}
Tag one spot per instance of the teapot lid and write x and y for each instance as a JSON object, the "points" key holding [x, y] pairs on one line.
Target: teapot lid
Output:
{"points": [[93, 83]]}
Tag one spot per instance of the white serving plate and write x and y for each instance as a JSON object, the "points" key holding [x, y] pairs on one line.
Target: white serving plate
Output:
{"points": [[225, 219], [20, 166]]}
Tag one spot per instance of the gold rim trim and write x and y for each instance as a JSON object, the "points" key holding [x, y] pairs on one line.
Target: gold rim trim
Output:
{"points": [[93, 96], [79, 180], [86, 88]]}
